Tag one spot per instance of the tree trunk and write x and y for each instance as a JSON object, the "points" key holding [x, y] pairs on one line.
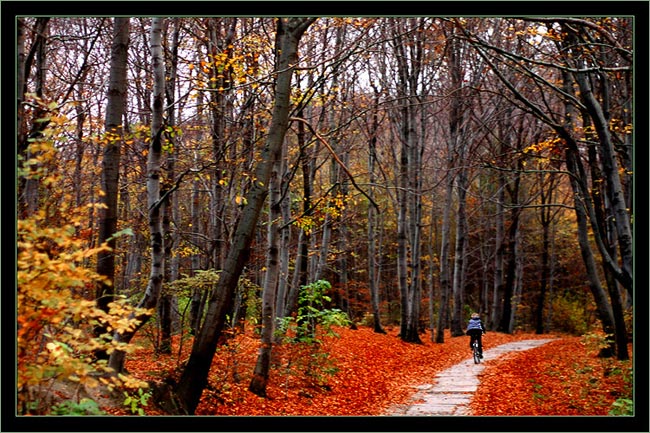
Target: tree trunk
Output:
{"points": [[546, 218], [457, 321], [373, 281], [261, 373], [167, 300], [445, 283], [218, 40], [111, 163], [408, 52], [29, 186], [518, 282], [198, 298], [602, 305], [194, 377], [584, 210], [154, 202], [302, 256], [615, 194], [499, 254], [598, 197], [458, 148], [511, 268], [285, 239]]}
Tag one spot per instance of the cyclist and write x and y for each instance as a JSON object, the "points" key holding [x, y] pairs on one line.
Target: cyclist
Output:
{"points": [[475, 330]]}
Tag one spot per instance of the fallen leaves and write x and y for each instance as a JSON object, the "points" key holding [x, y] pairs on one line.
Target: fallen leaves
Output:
{"points": [[375, 372], [562, 377]]}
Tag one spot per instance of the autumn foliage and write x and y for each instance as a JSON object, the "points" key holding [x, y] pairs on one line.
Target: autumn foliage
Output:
{"points": [[563, 377], [377, 372], [55, 319]]}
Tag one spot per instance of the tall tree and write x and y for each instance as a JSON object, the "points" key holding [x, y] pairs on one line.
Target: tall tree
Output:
{"points": [[374, 218], [170, 210], [155, 203], [115, 106], [548, 183], [408, 47], [261, 373], [574, 42], [459, 147]]}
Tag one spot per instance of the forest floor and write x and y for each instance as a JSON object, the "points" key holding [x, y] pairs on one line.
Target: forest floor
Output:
{"points": [[363, 373]]}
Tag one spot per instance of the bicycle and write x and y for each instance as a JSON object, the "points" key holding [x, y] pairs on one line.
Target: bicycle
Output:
{"points": [[476, 353]]}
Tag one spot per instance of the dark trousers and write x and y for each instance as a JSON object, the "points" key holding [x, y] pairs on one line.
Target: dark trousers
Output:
{"points": [[475, 334]]}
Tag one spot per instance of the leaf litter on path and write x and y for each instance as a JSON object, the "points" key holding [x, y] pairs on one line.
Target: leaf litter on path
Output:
{"points": [[375, 372]]}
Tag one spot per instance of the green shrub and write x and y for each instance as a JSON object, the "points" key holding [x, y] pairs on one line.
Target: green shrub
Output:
{"points": [[85, 406], [622, 406], [306, 329]]}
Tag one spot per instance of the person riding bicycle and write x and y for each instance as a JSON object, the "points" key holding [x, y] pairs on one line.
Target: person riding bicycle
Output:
{"points": [[475, 330]]}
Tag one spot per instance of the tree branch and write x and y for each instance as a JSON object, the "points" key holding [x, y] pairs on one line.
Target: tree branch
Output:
{"points": [[336, 158]]}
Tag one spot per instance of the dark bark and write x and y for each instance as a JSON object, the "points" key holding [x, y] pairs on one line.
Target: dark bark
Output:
{"points": [[511, 267], [302, 259], [408, 52], [597, 195], [29, 187], [620, 213], [603, 307], [261, 373], [445, 280], [110, 177], [546, 218], [167, 301]]}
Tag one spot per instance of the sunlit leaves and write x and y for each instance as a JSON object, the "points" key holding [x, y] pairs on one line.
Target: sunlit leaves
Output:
{"points": [[545, 149]]}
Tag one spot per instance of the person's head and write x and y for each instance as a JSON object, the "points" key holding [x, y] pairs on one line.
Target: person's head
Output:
{"points": [[475, 316]]}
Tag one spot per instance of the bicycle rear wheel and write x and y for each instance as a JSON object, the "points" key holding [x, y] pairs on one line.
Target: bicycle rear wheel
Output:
{"points": [[477, 357]]}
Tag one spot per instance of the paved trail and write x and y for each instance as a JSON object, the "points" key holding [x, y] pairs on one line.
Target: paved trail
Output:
{"points": [[452, 389]]}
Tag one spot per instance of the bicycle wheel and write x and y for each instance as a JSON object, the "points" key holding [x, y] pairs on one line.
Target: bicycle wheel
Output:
{"points": [[477, 358]]}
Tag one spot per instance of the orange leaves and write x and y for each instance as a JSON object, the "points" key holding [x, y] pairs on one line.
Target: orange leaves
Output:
{"points": [[559, 378], [375, 372]]}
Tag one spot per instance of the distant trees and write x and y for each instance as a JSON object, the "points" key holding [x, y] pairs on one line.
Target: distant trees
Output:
{"points": [[581, 74]]}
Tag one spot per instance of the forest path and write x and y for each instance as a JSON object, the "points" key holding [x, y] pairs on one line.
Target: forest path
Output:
{"points": [[452, 389]]}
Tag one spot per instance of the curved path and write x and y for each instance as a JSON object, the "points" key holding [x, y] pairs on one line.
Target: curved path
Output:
{"points": [[453, 389]]}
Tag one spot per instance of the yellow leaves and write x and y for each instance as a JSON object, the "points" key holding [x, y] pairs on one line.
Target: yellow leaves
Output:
{"points": [[55, 338], [620, 127], [544, 150], [131, 382], [305, 223], [186, 250]]}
